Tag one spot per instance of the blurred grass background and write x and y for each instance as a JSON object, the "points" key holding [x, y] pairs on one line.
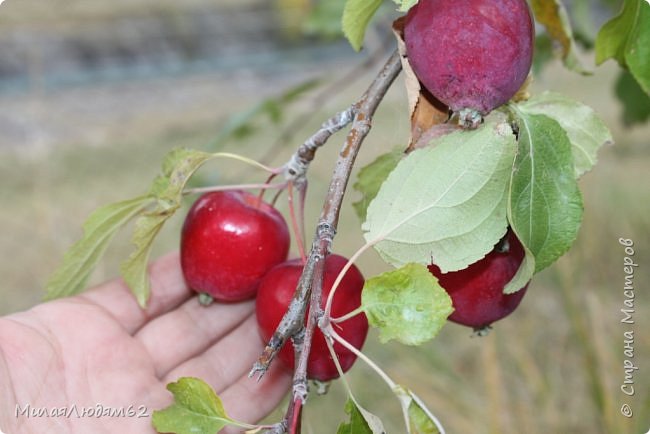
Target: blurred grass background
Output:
{"points": [[87, 118]]}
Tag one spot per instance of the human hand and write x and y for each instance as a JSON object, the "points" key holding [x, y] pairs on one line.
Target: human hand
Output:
{"points": [[101, 349]]}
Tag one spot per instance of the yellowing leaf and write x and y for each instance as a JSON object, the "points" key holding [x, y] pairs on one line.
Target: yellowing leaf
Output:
{"points": [[553, 15]]}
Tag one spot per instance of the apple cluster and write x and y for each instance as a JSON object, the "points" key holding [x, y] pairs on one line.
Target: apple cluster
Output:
{"points": [[234, 247]]}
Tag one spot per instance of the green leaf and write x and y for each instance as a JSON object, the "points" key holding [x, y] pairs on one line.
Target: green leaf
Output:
{"points": [[553, 15], [356, 16], [636, 104], [80, 260], [543, 53], [134, 269], [406, 304], [371, 177], [405, 5], [177, 168], [445, 204], [626, 38], [585, 129], [545, 206], [196, 410], [359, 421], [419, 420]]}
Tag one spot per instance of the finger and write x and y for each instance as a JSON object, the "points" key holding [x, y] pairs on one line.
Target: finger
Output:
{"points": [[188, 331], [168, 290], [249, 400], [227, 360]]}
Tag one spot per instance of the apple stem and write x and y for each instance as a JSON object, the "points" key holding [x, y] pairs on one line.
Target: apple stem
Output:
{"points": [[331, 332], [347, 316], [266, 186], [260, 197], [294, 223]]}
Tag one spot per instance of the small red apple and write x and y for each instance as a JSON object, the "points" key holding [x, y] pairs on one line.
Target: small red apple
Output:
{"points": [[477, 291], [273, 298], [230, 239]]}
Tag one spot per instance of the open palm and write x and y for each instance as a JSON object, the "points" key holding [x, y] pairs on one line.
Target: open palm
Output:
{"points": [[101, 351]]}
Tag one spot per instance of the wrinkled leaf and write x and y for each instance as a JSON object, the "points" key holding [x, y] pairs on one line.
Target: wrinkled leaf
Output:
{"points": [[585, 129], [361, 421], [356, 16], [196, 410], [445, 204], [178, 166], [407, 304], [371, 177], [626, 38], [81, 259], [545, 206], [553, 15]]}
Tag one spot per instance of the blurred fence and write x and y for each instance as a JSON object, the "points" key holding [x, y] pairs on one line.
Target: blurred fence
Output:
{"points": [[151, 43]]}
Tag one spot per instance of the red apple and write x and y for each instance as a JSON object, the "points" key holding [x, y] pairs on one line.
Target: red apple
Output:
{"points": [[230, 239], [477, 291], [273, 298], [470, 54]]}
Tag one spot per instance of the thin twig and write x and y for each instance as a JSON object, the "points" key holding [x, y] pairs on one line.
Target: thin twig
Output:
{"points": [[311, 280]]}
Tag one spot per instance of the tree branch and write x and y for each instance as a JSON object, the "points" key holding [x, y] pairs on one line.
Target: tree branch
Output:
{"points": [[311, 279]]}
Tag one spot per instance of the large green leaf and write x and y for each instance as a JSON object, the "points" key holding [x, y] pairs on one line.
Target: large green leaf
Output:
{"points": [[585, 129], [81, 259], [626, 38], [196, 410], [545, 206], [407, 304], [553, 16], [356, 17], [445, 204], [371, 177]]}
